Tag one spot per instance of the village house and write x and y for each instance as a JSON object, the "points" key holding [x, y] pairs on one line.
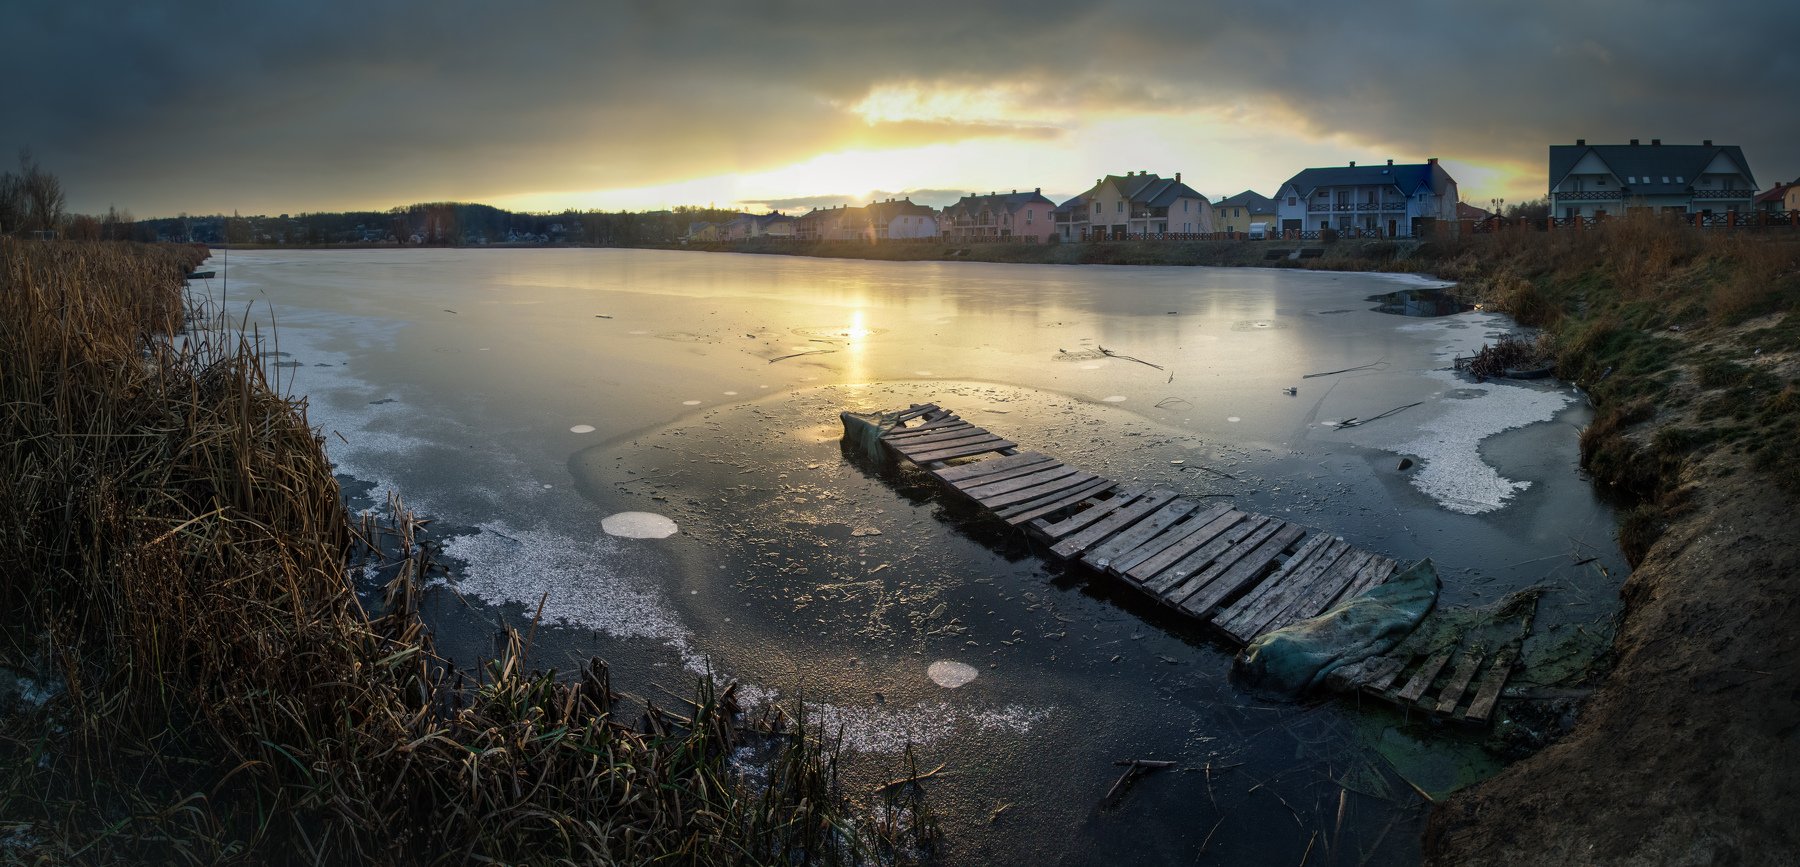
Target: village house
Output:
{"points": [[1593, 180], [1236, 213], [1396, 201], [842, 223], [705, 232], [1136, 204], [898, 220], [999, 215], [1780, 199], [744, 227]]}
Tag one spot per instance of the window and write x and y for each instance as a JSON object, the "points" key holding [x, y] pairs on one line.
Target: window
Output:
{"points": [[1119, 206], [1631, 179], [1665, 179], [1184, 205], [1096, 207], [1679, 180], [1293, 200]]}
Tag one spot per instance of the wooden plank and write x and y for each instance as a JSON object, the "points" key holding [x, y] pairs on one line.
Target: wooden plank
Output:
{"points": [[1125, 563], [941, 441], [1423, 677], [1003, 474], [1459, 681], [1489, 693], [1231, 528], [1378, 571], [982, 488], [1241, 573], [1381, 675], [916, 410], [961, 472], [975, 448], [1326, 589], [1281, 583], [1386, 675], [1197, 536], [1026, 511], [1276, 595], [936, 427], [1050, 488], [1104, 554], [1105, 527], [1093, 513]]}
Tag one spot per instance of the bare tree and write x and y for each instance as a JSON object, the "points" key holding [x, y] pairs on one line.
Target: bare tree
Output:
{"points": [[43, 194], [12, 203]]}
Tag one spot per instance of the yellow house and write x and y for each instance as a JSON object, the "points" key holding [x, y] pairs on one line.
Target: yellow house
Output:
{"points": [[1236, 213]]}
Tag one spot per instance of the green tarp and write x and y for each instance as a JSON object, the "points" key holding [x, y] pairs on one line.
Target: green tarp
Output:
{"points": [[1294, 659]]}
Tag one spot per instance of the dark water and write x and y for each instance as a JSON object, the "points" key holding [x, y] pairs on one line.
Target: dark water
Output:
{"points": [[814, 575]]}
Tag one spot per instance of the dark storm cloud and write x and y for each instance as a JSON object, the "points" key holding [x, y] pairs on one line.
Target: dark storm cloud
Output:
{"points": [[330, 103]]}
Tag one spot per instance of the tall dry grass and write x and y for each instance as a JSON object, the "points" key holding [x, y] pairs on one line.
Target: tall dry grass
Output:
{"points": [[175, 552]]}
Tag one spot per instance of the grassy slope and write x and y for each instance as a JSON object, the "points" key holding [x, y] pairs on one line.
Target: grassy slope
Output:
{"points": [[1690, 348]]}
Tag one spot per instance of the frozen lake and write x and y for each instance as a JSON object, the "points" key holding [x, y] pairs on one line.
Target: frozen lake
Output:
{"points": [[647, 442]]}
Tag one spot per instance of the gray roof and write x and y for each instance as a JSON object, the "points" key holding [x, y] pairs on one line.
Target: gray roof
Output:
{"points": [[771, 218], [1250, 200], [1148, 190], [884, 212], [997, 201], [1649, 164], [1408, 178]]}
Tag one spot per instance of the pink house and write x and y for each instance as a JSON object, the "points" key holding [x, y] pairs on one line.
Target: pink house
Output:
{"points": [[999, 215]]}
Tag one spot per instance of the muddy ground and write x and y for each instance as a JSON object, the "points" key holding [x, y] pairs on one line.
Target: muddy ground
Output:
{"points": [[1687, 753]]}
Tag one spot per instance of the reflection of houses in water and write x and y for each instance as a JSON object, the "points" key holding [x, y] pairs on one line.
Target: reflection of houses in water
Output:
{"points": [[1420, 302]]}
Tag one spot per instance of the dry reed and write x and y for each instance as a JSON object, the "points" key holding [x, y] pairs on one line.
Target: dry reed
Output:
{"points": [[175, 553]]}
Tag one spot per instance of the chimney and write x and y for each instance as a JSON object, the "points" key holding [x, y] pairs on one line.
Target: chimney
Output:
{"points": [[1015, 192], [1390, 162], [1178, 177], [1656, 141], [1581, 142], [1634, 141], [1431, 162], [1353, 163], [1039, 190], [1707, 143]]}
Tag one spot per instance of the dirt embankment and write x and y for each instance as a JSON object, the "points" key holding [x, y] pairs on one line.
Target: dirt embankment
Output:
{"points": [[1688, 752]]}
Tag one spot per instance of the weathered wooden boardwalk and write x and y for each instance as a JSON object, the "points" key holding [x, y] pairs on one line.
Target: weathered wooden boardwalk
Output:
{"points": [[1449, 683], [1243, 573]]}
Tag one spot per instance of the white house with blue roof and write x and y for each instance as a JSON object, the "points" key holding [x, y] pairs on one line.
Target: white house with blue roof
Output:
{"points": [[1587, 180], [1397, 201]]}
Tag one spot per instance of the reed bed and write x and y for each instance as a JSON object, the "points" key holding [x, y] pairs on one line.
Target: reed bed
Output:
{"points": [[174, 557]]}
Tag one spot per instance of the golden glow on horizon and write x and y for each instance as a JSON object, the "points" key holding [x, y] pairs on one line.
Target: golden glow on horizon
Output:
{"points": [[1218, 154]]}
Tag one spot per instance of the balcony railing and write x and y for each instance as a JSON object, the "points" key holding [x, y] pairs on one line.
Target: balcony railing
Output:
{"points": [[1587, 196], [1724, 194]]}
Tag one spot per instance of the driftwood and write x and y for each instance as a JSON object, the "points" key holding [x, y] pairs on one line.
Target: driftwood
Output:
{"points": [[1134, 768]]}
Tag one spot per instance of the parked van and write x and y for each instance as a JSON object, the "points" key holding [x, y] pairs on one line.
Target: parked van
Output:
{"points": [[1259, 231]]}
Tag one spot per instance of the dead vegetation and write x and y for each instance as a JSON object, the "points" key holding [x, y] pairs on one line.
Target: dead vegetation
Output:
{"points": [[176, 582]]}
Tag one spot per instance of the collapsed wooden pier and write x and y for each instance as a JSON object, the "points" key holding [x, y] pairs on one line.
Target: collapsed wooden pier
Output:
{"points": [[1241, 573]]}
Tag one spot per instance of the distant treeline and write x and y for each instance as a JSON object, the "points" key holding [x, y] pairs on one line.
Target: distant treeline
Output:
{"points": [[437, 224]]}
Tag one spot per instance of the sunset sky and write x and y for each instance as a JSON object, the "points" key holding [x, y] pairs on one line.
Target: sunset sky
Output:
{"points": [[325, 105]]}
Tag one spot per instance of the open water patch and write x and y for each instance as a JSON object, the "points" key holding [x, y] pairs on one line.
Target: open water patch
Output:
{"points": [[1426, 302]]}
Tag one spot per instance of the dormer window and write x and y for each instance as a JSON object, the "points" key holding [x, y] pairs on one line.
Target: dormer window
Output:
{"points": [[1665, 179], [1679, 180], [1631, 179]]}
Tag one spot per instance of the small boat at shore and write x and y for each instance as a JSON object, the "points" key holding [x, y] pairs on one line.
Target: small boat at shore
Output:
{"points": [[202, 275]]}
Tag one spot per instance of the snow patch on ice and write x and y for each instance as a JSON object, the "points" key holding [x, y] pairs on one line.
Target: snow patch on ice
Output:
{"points": [[950, 674], [1114, 398], [1448, 445], [883, 729], [582, 428], [638, 525]]}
